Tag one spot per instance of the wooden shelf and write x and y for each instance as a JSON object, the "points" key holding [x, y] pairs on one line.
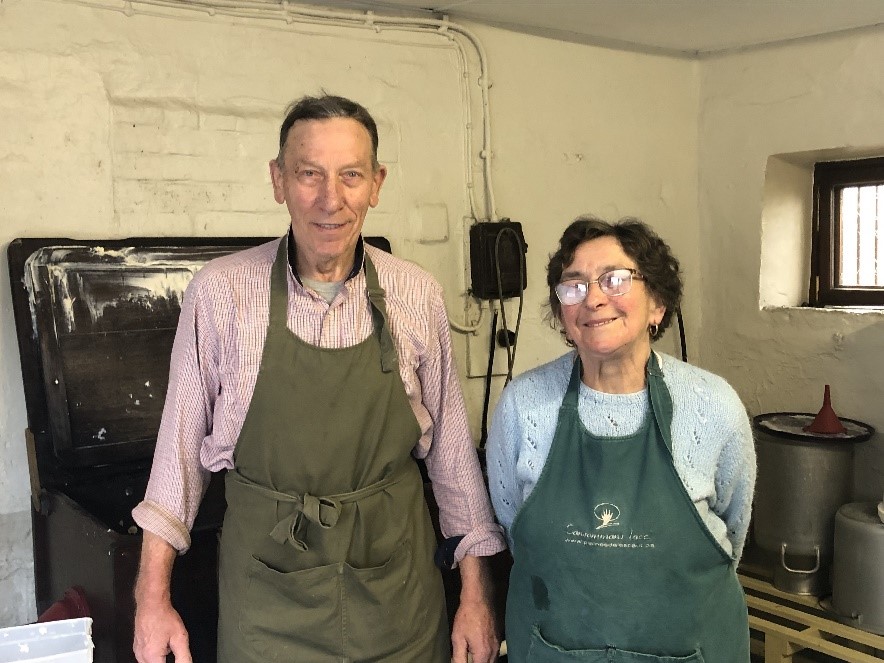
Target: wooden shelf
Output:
{"points": [[790, 624]]}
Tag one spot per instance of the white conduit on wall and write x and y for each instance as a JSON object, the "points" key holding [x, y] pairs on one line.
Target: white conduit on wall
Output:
{"points": [[291, 13]]}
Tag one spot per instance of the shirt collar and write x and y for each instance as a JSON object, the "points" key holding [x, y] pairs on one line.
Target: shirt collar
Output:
{"points": [[358, 258]]}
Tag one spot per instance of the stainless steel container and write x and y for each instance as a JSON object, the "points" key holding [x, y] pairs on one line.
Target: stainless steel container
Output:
{"points": [[803, 478], [858, 571]]}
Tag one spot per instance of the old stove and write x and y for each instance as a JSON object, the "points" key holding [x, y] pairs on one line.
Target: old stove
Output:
{"points": [[95, 323]]}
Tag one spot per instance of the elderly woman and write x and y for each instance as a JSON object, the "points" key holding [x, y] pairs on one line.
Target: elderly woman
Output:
{"points": [[623, 476]]}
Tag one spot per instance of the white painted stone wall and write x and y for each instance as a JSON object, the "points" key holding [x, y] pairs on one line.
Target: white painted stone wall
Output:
{"points": [[765, 116]]}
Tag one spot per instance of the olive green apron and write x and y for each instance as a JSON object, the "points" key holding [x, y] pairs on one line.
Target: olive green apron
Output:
{"points": [[612, 560], [327, 546]]}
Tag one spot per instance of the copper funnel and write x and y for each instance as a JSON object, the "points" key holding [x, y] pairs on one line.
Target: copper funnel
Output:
{"points": [[826, 421]]}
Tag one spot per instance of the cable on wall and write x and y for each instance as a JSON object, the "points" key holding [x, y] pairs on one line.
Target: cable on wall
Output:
{"points": [[489, 375], [681, 335], [510, 344]]}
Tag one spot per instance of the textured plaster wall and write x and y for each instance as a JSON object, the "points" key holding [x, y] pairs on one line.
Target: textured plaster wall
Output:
{"points": [[118, 126], [765, 117]]}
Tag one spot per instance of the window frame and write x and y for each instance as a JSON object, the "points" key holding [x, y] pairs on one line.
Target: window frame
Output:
{"points": [[829, 177]]}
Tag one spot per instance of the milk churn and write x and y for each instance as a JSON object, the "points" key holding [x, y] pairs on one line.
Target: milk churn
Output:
{"points": [[803, 478], [858, 571]]}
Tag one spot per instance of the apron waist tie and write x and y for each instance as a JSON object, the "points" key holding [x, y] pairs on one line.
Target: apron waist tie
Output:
{"points": [[307, 508]]}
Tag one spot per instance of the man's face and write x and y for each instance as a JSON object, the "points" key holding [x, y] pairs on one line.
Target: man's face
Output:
{"points": [[328, 183]]}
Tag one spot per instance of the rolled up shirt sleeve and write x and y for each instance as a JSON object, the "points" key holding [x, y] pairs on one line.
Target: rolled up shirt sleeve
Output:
{"points": [[452, 460], [178, 479]]}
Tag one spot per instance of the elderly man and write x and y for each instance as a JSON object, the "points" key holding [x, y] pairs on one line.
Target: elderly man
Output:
{"points": [[313, 368]]}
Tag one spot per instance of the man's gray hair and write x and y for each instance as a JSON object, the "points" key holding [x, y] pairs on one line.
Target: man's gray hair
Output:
{"points": [[326, 107]]}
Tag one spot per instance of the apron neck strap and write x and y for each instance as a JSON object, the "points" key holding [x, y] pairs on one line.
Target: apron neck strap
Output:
{"points": [[661, 400], [279, 285], [376, 297], [571, 396]]}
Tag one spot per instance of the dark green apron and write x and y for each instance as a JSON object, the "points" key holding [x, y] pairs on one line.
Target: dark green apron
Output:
{"points": [[612, 560], [327, 546]]}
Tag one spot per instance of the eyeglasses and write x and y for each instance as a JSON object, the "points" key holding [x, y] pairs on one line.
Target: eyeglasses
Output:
{"points": [[613, 284]]}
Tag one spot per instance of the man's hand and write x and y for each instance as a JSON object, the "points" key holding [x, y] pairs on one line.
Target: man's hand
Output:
{"points": [[158, 627], [474, 634], [158, 632]]}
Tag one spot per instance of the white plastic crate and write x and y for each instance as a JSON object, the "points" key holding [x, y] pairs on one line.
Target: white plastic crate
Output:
{"points": [[63, 641]]}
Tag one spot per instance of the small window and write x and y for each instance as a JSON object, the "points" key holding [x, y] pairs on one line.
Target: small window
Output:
{"points": [[847, 266]]}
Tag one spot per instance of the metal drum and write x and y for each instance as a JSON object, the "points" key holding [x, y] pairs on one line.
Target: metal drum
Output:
{"points": [[858, 573], [803, 478]]}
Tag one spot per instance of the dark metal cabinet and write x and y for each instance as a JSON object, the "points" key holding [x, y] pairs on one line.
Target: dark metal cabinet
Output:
{"points": [[95, 323]]}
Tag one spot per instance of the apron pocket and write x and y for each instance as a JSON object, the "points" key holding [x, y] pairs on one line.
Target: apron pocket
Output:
{"points": [[287, 616], [541, 651], [385, 607], [624, 656]]}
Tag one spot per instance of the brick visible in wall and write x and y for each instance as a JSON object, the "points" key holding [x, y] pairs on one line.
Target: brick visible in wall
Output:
{"points": [[194, 169]]}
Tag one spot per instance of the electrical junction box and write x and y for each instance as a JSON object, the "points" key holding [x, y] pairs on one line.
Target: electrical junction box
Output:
{"points": [[498, 248]]}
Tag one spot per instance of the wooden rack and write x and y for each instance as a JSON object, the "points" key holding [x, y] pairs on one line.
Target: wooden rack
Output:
{"points": [[789, 624]]}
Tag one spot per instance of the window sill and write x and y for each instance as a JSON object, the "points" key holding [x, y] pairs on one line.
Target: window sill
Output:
{"points": [[830, 310]]}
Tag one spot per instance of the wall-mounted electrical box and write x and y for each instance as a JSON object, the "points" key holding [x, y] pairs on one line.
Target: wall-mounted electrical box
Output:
{"points": [[497, 249]]}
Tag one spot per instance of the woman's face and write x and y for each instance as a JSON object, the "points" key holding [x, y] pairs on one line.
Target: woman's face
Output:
{"points": [[608, 327]]}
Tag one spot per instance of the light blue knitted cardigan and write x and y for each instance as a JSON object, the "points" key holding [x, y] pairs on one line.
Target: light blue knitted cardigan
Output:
{"points": [[711, 438]]}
